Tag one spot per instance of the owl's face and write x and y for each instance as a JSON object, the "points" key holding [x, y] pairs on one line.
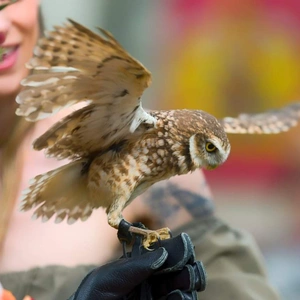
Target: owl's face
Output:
{"points": [[209, 151]]}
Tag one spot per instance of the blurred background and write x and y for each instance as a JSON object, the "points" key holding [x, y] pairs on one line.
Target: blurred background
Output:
{"points": [[225, 57]]}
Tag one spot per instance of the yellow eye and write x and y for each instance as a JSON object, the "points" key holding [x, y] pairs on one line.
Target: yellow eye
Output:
{"points": [[210, 147]]}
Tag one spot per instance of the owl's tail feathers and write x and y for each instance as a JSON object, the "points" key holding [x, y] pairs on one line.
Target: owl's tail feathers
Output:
{"points": [[61, 192]]}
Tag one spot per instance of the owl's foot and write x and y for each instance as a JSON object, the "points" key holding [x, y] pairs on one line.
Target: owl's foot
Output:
{"points": [[151, 236], [126, 230]]}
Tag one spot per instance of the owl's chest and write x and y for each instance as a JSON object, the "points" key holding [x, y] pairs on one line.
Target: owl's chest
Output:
{"points": [[160, 153], [135, 166]]}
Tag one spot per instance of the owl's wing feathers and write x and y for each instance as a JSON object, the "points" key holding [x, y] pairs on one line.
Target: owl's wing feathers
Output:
{"points": [[270, 122], [61, 192], [78, 134], [73, 64]]}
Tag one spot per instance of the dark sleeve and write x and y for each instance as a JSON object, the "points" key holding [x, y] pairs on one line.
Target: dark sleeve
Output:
{"points": [[233, 262], [48, 283]]}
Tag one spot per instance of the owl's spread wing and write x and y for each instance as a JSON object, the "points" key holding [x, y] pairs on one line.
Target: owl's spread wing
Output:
{"points": [[270, 122], [73, 64]]}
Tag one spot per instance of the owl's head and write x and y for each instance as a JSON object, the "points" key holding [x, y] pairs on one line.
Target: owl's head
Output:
{"points": [[210, 147]]}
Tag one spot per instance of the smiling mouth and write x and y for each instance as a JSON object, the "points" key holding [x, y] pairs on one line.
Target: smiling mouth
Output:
{"points": [[6, 52]]}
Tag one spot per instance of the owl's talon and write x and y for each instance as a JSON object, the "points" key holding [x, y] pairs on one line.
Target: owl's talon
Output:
{"points": [[151, 236]]}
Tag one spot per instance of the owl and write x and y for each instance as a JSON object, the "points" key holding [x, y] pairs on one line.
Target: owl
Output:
{"points": [[117, 149]]}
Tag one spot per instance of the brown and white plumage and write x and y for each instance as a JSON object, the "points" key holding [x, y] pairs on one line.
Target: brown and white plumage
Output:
{"points": [[73, 64], [117, 149], [270, 122]]}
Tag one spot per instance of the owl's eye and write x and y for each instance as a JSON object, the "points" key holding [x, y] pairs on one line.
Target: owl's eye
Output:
{"points": [[210, 147]]}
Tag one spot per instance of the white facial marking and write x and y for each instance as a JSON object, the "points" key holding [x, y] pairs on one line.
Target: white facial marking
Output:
{"points": [[194, 152]]}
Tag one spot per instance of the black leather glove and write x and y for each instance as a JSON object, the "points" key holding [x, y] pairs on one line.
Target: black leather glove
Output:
{"points": [[168, 271], [118, 278], [180, 277]]}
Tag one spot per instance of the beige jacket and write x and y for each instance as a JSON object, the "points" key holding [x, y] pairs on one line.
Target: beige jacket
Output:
{"points": [[232, 260], [234, 265]]}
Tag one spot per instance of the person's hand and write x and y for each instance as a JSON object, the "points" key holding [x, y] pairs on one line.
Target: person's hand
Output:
{"points": [[180, 277], [169, 271], [118, 278]]}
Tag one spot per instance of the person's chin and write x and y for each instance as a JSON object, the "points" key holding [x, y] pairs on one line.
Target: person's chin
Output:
{"points": [[10, 85]]}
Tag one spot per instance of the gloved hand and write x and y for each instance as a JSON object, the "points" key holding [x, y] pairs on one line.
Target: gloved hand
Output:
{"points": [[180, 277], [168, 271]]}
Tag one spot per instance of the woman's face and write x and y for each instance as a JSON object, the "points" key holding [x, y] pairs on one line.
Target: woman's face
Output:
{"points": [[19, 29]]}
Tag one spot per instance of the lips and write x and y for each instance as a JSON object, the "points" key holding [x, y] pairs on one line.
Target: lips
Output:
{"points": [[7, 51], [2, 37], [9, 57]]}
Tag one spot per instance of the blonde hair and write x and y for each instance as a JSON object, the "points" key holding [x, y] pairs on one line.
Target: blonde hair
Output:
{"points": [[11, 164]]}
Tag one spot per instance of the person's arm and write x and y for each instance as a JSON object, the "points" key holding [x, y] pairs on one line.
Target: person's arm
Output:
{"points": [[167, 271], [174, 202], [234, 264]]}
